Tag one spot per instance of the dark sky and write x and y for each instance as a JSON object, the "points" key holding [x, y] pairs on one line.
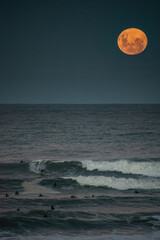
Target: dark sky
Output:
{"points": [[65, 51]]}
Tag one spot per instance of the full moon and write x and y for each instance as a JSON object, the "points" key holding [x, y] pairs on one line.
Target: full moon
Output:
{"points": [[132, 41]]}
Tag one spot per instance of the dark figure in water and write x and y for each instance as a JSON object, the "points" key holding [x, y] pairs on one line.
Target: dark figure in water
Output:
{"points": [[45, 215], [40, 195], [136, 191], [16, 193], [21, 161], [6, 195], [42, 172], [72, 196], [18, 209], [55, 184], [52, 208]]}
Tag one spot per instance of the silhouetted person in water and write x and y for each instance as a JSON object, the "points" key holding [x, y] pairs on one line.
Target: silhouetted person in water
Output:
{"points": [[45, 215], [55, 184], [6, 195], [52, 208], [16, 193], [72, 196], [21, 161], [18, 209], [136, 191], [42, 172], [40, 195]]}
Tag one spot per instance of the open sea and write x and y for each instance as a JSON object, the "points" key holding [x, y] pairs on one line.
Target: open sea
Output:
{"points": [[80, 172]]}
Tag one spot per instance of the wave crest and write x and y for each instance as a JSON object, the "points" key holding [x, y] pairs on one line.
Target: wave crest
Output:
{"points": [[117, 183], [151, 169], [37, 165]]}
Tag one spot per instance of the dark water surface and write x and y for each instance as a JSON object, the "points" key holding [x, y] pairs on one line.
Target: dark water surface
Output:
{"points": [[98, 165]]}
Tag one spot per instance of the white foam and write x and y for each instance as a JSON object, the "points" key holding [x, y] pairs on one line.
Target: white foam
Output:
{"points": [[156, 221], [151, 169], [117, 183], [37, 165]]}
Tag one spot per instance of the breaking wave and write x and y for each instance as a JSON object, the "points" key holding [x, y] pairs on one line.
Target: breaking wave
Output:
{"points": [[37, 165], [146, 168], [119, 174], [117, 183]]}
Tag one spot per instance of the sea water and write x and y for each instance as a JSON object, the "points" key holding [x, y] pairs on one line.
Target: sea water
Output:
{"points": [[97, 165]]}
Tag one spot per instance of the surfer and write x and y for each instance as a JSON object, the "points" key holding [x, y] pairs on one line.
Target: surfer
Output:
{"points": [[42, 172], [72, 196], [7, 195], [45, 215], [136, 191], [52, 208], [16, 193], [54, 184]]}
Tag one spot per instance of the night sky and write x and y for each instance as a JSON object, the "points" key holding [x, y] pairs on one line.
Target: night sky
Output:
{"points": [[65, 51]]}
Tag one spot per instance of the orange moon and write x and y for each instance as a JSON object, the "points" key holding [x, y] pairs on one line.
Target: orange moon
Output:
{"points": [[132, 41]]}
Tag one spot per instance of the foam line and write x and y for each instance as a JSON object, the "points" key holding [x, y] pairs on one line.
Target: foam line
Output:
{"points": [[151, 169], [117, 183]]}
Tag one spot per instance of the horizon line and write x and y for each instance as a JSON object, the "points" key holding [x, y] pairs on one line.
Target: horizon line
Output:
{"points": [[79, 103]]}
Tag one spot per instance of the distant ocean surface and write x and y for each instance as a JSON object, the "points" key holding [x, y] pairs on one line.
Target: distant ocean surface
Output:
{"points": [[97, 165]]}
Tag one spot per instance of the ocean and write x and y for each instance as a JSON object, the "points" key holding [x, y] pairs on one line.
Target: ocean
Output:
{"points": [[80, 172]]}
